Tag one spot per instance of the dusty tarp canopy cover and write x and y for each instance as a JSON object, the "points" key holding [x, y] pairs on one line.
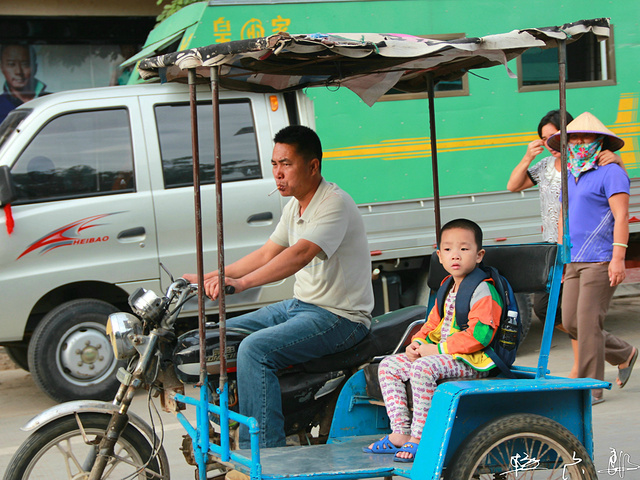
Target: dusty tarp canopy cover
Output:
{"points": [[369, 64]]}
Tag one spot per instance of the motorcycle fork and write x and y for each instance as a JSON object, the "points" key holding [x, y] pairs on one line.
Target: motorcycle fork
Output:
{"points": [[120, 419], [117, 424]]}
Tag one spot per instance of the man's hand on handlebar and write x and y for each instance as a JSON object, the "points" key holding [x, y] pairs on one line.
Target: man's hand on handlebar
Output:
{"points": [[212, 285], [231, 285], [191, 278]]}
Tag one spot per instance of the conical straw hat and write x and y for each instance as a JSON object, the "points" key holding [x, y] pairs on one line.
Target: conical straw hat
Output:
{"points": [[588, 123]]}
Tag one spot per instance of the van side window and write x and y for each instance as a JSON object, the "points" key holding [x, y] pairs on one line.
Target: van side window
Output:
{"points": [[239, 144], [76, 155]]}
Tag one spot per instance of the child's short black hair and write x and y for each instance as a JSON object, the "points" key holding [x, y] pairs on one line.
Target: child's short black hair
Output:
{"points": [[465, 224]]}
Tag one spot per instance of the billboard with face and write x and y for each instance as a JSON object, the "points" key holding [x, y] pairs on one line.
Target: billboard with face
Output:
{"points": [[29, 71]]}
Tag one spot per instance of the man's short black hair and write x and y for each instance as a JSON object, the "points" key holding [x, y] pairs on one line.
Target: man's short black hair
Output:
{"points": [[552, 117], [304, 139], [465, 224]]}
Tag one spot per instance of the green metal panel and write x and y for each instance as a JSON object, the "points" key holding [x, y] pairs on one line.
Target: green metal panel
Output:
{"points": [[380, 153]]}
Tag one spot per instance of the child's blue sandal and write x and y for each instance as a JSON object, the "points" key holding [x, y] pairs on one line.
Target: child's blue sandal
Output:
{"points": [[410, 447], [383, 445]]}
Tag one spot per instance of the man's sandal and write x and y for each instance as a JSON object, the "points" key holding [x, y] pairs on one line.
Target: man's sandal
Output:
{"points": [[383, 445], [410, 447]]}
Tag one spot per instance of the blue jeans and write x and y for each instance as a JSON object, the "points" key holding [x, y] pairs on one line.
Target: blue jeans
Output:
{"points": [[286, 333]]}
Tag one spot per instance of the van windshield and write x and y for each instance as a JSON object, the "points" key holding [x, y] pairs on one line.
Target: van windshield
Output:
{"points": [[10, 124]]}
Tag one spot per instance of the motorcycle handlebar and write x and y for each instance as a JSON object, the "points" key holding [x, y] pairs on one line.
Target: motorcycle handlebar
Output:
{"points": [[182, 283], [179, 285]]}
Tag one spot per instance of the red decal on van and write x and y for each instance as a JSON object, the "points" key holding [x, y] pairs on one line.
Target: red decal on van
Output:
{"points": [[67, 235]]}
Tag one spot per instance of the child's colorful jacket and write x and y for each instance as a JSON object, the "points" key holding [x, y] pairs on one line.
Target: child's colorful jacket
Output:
{"points": [[467, 345]]}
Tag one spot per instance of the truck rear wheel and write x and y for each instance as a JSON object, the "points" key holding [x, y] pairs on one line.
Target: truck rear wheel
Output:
{"points": [[70, 356]]}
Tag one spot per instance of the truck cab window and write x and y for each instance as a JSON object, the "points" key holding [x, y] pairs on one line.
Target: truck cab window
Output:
{"points": [[76, 155], [589, 63], [239, 144]]}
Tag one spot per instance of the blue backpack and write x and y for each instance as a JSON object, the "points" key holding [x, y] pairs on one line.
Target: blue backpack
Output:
{"points": [[502, 349]]}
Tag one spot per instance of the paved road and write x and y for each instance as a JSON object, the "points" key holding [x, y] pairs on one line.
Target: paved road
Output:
{"points": [[616, 421]]}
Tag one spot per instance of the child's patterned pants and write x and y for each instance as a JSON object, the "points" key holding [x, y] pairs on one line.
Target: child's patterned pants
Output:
{"points": [[423, 374]]}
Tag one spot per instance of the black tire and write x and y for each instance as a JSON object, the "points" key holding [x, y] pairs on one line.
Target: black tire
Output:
{"points": [[18, 353], [70, 357], [491, 450], [525, 307], [59, 446]]}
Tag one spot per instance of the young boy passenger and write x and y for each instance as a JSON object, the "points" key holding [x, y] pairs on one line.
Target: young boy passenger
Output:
{"points": [[440, 350]]}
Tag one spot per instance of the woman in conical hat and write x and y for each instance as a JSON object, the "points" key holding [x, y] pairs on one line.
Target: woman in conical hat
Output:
{"points": [[546, 175], [599, 230]]}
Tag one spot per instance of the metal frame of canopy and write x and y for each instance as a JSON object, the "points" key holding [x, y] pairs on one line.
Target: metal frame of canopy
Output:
{"points": [[368, 64]]}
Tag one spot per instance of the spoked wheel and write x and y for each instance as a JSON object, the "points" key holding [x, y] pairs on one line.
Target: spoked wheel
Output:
{"points": [[59, 450], [523, 447]]}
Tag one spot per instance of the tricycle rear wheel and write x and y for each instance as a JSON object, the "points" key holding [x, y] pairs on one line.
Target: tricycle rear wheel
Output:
{"points": [[522, 446]]}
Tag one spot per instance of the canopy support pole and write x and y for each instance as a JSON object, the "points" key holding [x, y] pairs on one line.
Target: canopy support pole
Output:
{"points": [[201, 445], [434, 153], [223, 390], [564, 250], [222, 315], [195, 152], [562, 87]]}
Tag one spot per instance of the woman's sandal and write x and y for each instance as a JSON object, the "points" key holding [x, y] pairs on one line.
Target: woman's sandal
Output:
{"points": [[410, 447], [383, 445], [625, 373]]}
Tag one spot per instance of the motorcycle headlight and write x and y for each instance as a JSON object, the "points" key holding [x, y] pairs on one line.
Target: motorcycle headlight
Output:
{"points": [[122, 328]]}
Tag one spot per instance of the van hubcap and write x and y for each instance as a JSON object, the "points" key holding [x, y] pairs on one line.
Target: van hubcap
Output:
{"points": [[85, 353]]}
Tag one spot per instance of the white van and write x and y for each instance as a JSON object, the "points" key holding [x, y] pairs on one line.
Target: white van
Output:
{"points": [[99, 185]]}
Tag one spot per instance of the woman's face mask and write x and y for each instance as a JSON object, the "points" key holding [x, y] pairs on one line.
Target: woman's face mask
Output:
{"points": [[583, 152]]}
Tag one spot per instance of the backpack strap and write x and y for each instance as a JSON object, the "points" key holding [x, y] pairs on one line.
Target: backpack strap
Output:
{"points": [[501, 287], [491, 353], [463, 297], [442, 292]]}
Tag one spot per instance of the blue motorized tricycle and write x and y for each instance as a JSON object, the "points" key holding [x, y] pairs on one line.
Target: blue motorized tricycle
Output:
{"points": [[530, 426]]}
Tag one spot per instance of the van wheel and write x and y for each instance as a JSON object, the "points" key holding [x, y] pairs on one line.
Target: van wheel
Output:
{"points": [[70, 357], [18, 355]]}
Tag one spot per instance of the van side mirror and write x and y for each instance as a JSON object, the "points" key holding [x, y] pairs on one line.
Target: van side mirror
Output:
{"points": [[8, 191]]}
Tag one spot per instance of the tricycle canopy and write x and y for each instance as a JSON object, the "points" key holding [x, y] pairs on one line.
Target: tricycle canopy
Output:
{"points": [[369, 64]]}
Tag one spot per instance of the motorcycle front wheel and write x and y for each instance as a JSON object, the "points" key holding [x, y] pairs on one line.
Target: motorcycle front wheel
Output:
{"points": [[59, 450]]}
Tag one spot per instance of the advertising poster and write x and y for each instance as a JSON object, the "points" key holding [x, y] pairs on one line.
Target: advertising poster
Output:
{"points": [[30, 71]]}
